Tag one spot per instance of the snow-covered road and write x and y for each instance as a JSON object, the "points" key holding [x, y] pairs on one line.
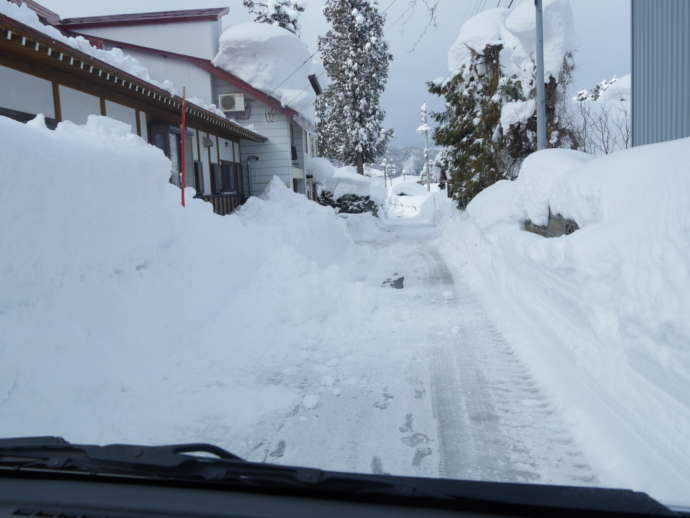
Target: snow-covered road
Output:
{"points": [[427, 386]]}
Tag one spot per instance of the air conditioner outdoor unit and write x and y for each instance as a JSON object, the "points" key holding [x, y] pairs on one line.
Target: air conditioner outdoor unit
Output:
{"points": [[231, 102]]}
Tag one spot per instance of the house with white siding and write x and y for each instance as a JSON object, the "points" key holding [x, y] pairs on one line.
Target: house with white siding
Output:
{"points": [[44, 70], [180, 46]]}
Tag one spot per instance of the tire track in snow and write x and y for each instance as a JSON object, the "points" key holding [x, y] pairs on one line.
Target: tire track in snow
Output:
{"points": [[494, 423]]}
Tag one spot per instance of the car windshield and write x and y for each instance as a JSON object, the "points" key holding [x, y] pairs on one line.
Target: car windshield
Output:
{"points": [[437, 238]]}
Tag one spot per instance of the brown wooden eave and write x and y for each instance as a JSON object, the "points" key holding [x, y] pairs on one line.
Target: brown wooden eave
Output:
{"points": [[28, 50]]}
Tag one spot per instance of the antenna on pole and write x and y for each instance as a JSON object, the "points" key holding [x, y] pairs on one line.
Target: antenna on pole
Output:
{"points": [[541, 93]]}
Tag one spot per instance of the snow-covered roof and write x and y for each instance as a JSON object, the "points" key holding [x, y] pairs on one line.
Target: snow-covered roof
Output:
{"points": [[515, 29], [271, 59], [115, 64]]}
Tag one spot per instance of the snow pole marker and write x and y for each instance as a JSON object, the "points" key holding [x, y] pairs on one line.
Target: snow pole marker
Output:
{"points": [[183, 139]]}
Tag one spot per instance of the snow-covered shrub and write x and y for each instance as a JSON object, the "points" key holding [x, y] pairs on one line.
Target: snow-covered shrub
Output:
{"points": [[489, 124], [349, 203]]}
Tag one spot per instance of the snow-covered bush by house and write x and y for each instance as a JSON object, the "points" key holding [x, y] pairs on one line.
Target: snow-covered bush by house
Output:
{"points": [[356, 58], [284, 13], [602, 117], [266, 56], [114, 297], [489, 124], [600, 315], [345, 190]]}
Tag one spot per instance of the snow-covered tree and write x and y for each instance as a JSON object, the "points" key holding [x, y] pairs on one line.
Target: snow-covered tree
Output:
{"points": [[601, 117], [284, 13], [489, 123], [356, 59]]}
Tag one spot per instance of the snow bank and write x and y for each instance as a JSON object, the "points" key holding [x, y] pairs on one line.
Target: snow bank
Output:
{"points": [[600, 315], [266, 56], [515, 30], [409, 200], [125, 318]]}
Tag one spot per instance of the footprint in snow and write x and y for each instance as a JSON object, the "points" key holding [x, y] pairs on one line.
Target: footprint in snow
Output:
{"points": [[383, 404], [407, 426]]}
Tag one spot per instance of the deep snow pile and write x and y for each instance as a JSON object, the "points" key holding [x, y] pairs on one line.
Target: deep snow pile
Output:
{"points": [[266, 56], [600, 315], [126, 318], [410, 200]]}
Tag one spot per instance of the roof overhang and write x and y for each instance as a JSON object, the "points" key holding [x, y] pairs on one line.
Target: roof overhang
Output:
{"points": [[206, 65], [151, 18], [33, 52]]}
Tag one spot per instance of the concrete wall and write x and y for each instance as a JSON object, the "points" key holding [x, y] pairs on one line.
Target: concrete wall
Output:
{"points": [[199, 39], [25, 93], [660, 70], [275, 159]]}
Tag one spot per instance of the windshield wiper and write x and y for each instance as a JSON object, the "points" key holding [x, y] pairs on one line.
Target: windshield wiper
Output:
{"points": [[175, 463], [172, 462]]}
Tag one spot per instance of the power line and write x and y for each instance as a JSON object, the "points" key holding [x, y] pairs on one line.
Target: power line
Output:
{"points": [[292, 74]]}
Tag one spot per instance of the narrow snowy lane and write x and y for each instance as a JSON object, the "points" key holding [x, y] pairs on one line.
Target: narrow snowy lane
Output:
{"points": [[427, 386]]}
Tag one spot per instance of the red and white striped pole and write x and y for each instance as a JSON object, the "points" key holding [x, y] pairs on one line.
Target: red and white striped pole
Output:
{"points": [[183, 141]]}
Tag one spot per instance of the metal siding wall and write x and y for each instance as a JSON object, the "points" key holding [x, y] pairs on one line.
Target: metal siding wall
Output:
{"points": [[661, 70]]}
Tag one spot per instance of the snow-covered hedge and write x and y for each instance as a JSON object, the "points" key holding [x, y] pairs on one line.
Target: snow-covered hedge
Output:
{"points": [[601, 314], [344, 189]]}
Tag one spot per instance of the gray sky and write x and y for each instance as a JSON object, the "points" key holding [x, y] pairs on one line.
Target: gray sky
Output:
{"points": [[602, 27]]}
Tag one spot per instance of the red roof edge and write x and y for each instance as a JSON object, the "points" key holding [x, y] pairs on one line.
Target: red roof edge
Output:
{"points": [[48, 16], [150, 18], [207, 65]]}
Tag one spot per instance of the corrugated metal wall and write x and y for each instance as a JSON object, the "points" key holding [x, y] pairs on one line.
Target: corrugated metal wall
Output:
{"points": [[660, 70]]}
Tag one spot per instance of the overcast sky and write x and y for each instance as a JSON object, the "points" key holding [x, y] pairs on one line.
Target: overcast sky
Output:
{"points": [[602, 27]]}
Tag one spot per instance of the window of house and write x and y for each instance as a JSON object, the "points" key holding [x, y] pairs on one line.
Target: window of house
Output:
{"points": [[226, 178], [199, 177]]}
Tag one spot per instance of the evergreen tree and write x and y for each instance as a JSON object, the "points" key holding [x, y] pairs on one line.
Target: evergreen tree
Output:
{"points": [[356, 59], [479, 149], [284, 13]]}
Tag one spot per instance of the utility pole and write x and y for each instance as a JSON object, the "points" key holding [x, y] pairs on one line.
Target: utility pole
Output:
{"points": [[541, 93], [424, 128], [385, 172]]}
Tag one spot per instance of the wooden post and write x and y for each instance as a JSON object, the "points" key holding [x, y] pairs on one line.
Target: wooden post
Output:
{"points": [[183, 139], [57, 106]]}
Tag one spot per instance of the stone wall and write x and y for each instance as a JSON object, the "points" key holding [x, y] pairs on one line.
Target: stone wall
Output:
{"points": [[556, 226]]}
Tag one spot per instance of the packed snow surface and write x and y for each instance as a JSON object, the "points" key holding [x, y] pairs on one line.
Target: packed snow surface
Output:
{"points": [[599, 315], [271, 59]]}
